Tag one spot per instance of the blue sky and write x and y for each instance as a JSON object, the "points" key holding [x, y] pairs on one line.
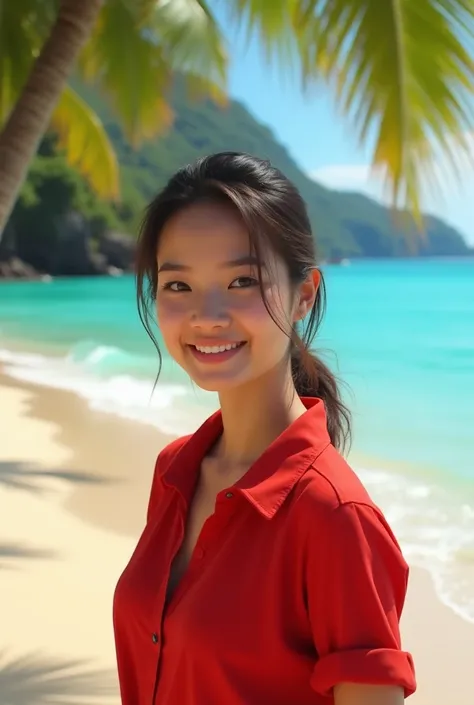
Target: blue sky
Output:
{"points": [[322, 142]]}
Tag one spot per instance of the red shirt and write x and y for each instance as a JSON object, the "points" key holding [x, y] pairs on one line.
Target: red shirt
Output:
{"points": [[296, 582]]}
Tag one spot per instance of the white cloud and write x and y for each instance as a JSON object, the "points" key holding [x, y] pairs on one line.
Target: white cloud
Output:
{"points": [[342, 173], [454, 202], [349, 177]]}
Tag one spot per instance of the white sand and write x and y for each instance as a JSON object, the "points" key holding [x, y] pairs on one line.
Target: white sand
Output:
{"points": [[57, 573]]}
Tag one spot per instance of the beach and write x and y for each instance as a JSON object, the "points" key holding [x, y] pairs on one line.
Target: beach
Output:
{"points": [[73, 491]]}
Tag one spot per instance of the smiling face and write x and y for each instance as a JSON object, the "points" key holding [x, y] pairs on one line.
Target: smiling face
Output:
{"points": [[209, 304]]}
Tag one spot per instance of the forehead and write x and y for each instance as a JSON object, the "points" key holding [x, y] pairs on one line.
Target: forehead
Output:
{"points": [[208, 229]]}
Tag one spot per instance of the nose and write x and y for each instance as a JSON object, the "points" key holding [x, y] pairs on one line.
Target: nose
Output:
{"points": [[210, 312]]}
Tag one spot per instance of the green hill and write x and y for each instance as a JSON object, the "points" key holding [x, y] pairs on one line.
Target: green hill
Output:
{"points": [[345, 224]]}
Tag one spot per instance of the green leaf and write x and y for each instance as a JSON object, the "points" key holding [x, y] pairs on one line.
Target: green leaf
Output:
{"points": [[134, 61], [191, 39], [273, 24], [86, 144], [403, 71], [24, 25]]}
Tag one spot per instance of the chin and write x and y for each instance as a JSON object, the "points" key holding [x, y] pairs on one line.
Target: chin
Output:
{"points": [[218, 386]]}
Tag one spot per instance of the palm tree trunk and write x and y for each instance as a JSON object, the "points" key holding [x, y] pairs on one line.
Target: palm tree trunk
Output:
{"points": [[30, 117]]}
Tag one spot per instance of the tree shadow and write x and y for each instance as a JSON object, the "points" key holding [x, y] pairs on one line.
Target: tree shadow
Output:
{"points": [[10, 551], [28, 477], [35, 679]]}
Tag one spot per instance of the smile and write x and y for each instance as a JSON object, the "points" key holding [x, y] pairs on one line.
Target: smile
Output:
{"points": [[212, 350], [216, 353]]}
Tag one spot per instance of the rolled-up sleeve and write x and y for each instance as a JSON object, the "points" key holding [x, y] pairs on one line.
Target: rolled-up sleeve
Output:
{"points": [[356, 584]]}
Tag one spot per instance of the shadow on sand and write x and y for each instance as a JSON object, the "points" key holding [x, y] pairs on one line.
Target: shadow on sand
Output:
{"points": [[28, 477], [11, 551], [36, 679]]}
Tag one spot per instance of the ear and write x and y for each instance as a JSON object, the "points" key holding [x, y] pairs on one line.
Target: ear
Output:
{"points": [[306, 295]]}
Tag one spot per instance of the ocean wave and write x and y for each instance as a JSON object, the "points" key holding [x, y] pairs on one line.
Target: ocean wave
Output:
{"points": [[98, 357], [433, 522], [106, 377]]}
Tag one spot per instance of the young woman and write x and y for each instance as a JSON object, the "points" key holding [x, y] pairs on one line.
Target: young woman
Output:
{"points": [[265, 574]]}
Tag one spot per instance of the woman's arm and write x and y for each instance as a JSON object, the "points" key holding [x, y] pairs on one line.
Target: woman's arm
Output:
{"points": [[355, 694], [356, 580]]}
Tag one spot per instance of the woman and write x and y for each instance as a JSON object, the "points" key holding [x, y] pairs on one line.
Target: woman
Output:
{"points": [[265, 575]]}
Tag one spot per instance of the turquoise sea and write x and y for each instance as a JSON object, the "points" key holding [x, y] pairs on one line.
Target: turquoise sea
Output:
{"points": [[399, 333]]}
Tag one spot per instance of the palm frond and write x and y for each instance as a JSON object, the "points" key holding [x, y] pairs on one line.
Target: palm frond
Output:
{"points": [[24, 25], [134, 58], [194, 47], [273, 25], [403, 72], [191, 39], [86, 144]]}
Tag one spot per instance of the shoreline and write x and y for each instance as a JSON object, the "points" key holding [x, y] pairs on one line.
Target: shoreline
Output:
{"points": [[135, 445], [409, 494], [22, 272], [359, 458]]}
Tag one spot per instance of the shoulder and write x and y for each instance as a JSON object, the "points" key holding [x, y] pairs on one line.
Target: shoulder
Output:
{"points": [[330, 482], [168, 453], [331, 500]]}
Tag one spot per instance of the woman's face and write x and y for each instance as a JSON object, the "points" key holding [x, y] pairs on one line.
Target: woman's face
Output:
{"points": [[209, 305]]}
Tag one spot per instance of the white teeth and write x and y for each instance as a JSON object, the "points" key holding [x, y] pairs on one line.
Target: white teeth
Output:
{"points": [[217, 348]]}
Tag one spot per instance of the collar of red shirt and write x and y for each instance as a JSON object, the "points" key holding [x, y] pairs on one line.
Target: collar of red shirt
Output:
{"points": [[271, 478]]}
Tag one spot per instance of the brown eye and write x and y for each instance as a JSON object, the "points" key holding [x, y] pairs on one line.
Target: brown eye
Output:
{"points": [[176, 286], [243, 283]]}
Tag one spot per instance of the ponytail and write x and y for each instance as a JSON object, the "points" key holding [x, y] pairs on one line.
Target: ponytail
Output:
{"points": [[312, 378]]}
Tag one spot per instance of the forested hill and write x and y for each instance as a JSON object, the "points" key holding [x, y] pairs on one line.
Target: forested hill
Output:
{"points": [[57, 212], [345, 224]]}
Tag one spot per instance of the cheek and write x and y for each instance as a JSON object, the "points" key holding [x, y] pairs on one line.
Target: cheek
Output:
{"points": [[169, 319], [276, 314]]}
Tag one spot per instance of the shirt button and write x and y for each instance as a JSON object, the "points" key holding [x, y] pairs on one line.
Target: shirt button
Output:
{"points": [[154, 638], [229, 495], [199, 553]]}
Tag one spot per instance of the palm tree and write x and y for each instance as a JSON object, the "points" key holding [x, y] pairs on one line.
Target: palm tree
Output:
{"points": [[31, 115], [401, 71], [131, 48]]}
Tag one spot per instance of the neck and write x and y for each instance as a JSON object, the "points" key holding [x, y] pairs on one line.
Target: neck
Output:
{"points": [[255, 415]]}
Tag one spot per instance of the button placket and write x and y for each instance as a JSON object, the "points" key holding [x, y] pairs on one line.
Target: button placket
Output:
{"points": [[209, 533], [216, 524]]}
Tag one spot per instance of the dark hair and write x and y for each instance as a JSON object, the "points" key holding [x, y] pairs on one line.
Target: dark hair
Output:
{"points": [[271, 209]]}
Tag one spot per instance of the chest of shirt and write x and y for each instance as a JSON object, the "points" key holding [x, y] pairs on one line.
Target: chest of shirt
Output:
{"points": [[242, 586]]}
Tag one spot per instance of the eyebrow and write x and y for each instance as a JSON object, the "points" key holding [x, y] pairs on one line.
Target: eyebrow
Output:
{"points": [[247, 260]]}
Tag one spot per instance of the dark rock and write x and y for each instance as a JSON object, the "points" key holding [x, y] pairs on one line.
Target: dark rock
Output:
{"points": [[65, 246], [118, 249], [62, 246], [15, 268], [74, 253], [7, 243]]}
